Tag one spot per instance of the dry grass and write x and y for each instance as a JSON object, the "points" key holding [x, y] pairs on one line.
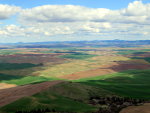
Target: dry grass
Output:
{"points": [[4, 85], [79, 65]]}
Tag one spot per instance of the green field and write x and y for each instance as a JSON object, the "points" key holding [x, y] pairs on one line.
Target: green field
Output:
{"points": [[47, 100], [9, 52], [26, 80], [80, 56], [15, 66], [128, 51], [131, 83], [143, 58]]}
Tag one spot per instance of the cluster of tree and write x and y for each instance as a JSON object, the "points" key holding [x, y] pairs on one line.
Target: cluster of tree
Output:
{"points": [[114, 104]]}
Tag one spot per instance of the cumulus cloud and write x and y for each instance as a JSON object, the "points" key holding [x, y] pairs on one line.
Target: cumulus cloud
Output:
{"points": [[7, 11], [33, 31], [62, 13], [137, 8], [50, 20], [135, 12]]}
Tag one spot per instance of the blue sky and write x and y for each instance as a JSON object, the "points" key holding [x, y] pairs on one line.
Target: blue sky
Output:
{"points": [[111, 4], [59, 20]]}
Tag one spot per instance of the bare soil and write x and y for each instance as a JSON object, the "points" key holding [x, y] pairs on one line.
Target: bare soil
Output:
{"points": [[31, 58], [137, 109]]}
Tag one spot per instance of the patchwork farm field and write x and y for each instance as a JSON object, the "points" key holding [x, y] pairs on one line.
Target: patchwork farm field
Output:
{"points": [[91, 79]]}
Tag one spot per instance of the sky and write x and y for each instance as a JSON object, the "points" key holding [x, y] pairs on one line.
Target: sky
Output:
{"points": [[71, 20]]}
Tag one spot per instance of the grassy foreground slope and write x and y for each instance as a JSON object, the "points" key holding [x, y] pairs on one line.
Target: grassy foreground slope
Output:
{"points": [[64, 97], [131, 83], [46, 100]]}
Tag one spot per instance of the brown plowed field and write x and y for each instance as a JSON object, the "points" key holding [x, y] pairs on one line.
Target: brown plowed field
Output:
{"points": [[12, 94], [31, 58], [145, 55], [137, 109], [105, 69]]}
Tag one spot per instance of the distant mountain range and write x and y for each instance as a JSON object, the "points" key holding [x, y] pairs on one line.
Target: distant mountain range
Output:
{"points": [[94, 43]]}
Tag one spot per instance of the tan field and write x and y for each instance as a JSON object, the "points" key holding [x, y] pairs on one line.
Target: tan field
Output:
{"points": [[137, 109], [105, 69], [5, 86]]}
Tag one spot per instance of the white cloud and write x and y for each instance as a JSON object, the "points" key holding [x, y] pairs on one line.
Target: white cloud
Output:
{"points": [[2, 32], [136, 12], [33, 31], [51, 20], [7, 11], [137, 8], [62, 13]]}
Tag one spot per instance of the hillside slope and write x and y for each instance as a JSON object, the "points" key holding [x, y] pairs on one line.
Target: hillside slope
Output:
{"points": [[10, 95]]}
